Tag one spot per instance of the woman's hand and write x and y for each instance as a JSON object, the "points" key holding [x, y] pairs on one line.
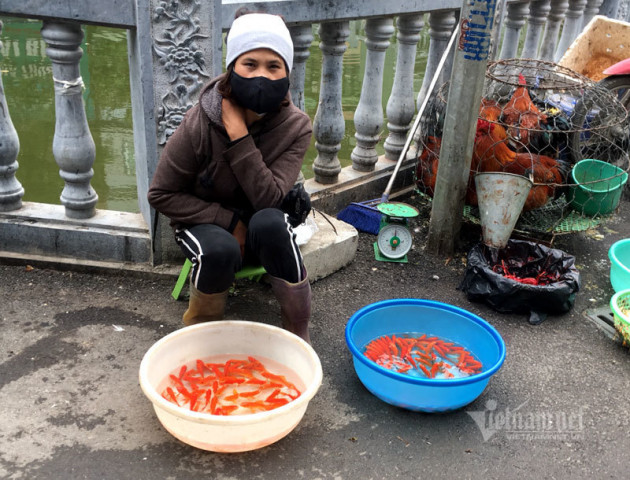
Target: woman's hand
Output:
{"points": [[240, 233], [233, 117]]}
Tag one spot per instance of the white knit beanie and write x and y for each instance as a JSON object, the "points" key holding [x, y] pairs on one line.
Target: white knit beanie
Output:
{"points": [[259, 30]]}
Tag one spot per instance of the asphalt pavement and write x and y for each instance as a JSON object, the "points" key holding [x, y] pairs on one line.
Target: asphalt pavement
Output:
{"points": [[72, 343]]}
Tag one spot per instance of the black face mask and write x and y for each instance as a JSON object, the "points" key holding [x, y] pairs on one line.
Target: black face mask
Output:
{"points": [[258, 94]]}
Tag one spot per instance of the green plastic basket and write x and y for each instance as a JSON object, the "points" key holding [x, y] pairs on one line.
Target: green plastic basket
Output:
{"points": [[620, 306], [597, 187]]}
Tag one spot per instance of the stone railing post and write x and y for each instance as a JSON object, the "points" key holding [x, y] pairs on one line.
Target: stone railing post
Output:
{"points": [[401, 104], [571, 28], [516, 17], [441, 26], [329, 125], [368, 117], [550, 40], [538, 11], [73, 146], [185, 42], [302, 36], [11, 191], [592, 9]]}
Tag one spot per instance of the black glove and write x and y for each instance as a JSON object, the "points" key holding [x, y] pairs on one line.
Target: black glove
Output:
{"points": [[297, 205]]}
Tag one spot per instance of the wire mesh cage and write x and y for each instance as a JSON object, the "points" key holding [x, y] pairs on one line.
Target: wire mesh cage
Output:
{"points": [[538, 119]]}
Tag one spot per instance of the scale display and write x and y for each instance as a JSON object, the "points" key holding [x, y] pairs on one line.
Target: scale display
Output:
{"points": [[394, 241]]}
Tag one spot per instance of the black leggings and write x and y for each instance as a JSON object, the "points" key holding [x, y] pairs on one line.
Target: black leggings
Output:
{"points": [[216, 254]]}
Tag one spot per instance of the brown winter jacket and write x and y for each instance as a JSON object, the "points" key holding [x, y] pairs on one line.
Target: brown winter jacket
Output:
{"points": [[202, 177]]}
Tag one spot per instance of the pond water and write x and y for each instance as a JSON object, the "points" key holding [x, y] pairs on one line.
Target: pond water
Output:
{"points": [[28, 85]]}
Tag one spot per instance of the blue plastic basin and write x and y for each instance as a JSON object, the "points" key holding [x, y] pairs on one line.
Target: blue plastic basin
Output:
{"points": [[412, 315]]}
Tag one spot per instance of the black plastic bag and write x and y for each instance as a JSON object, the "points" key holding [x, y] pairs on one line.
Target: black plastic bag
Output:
{"points": [[485, 279]]}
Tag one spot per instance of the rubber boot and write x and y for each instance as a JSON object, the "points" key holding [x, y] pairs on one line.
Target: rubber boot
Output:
{"points": [[204, 307], [295, 305]]}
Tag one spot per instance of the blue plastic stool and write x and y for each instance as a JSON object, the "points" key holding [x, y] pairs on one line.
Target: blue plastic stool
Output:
{"points": [[253, 272]]}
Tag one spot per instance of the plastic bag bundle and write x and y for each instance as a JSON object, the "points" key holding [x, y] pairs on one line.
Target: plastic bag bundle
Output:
{"points": [[305, 231], [523, 277]]}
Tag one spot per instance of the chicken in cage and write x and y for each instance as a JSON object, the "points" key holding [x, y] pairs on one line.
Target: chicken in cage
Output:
{"points": [[536, 119]]}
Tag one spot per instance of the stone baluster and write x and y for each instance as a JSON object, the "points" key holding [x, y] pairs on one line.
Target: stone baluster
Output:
{"points": [[368, 117], [441, 26], [571, 28], [302, 36], [11, 191], [401, 103], [591, 9], [329, 124], [550, 40], [538, 11], [73, 146], [516, 17]]}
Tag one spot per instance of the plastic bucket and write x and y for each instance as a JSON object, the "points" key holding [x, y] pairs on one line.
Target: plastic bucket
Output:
{"points": [[619, 255], [501, 197], [597, 187]]}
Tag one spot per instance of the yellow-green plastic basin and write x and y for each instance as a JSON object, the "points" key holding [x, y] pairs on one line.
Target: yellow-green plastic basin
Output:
{"points": [[620, 306]]}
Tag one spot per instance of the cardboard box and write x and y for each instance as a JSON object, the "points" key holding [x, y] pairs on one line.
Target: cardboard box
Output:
{"points": [[602, 43]]}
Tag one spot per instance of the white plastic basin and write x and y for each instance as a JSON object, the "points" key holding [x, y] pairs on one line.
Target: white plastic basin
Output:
{"points": [[231, 433]]}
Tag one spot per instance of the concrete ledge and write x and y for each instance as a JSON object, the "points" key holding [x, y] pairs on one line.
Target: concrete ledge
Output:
{"points": [[331, 248], [43, 229], [88, 266], [45, 213], [353, 186]]}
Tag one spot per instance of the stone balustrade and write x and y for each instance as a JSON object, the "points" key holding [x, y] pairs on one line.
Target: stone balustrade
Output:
{"points": [[175, 46]]}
